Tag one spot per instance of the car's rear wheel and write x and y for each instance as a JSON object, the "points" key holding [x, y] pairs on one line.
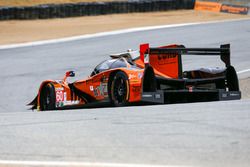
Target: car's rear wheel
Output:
{"points": [[119, 91], [232, 79], [47, 98]]}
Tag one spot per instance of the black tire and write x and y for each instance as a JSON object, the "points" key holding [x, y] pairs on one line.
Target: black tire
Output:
{"points": [[48, 98], [149, 80], [119, 89], [232, 79]]}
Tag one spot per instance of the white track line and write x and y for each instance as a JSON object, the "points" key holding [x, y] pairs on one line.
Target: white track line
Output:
{"points": [[243, 71], [101, 34], [76, 164]]}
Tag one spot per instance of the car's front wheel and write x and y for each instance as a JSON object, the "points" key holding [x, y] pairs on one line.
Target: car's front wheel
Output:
{"points": [[47, 98], [119, 91]]}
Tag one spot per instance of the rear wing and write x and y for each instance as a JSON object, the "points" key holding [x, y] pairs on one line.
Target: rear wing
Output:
{"points": [[172, 65]]}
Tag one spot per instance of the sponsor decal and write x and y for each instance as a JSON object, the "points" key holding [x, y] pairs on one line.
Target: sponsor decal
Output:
{"points": [[157, 96], [224, 95], [101, 90], [59, 89], [146, 58], [234, 94], [146, 95], [167, 59], [136, 88], [104, 79], [65, 103], [190, 88], [59, 104], [95, 92], [209, 6], [64, 96], [235, 9], [59, 96], [135, 81], [167, 56], [140, 75], [131, 76], [91, 88]]}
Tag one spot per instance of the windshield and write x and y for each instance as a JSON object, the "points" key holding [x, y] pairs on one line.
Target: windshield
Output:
{"points": [[109, 64]]}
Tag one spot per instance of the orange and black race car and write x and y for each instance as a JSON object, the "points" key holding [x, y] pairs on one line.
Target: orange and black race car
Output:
{"points": [[151, 75]]}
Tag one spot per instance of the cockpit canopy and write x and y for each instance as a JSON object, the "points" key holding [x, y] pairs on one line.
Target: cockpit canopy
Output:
{"points": [[109, 64], [117, 61]]}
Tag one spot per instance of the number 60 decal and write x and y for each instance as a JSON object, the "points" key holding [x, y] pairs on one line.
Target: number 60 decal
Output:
{"points": [[59, 96]]}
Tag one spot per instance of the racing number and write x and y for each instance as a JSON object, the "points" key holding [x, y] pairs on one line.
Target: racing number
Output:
{"points": [[59, 96]]}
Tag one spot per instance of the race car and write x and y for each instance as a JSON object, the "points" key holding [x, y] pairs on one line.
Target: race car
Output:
{"points": [[150, 75]]}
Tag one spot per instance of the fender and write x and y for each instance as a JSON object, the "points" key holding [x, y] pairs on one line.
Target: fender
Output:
{"points": [[55, 84]]}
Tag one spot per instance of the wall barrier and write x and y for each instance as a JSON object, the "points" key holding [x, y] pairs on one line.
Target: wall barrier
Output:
{"points": [[87, 9]]}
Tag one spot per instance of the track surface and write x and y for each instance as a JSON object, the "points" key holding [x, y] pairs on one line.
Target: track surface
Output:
{"points": [[200, 134]]}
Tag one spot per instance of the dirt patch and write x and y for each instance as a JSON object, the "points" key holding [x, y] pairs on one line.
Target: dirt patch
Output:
{"points": [[40, 2], [34, 30], [245, 88]]}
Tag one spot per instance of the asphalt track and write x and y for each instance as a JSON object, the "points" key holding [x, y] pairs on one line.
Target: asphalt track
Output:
{"points": [[196, 134]]}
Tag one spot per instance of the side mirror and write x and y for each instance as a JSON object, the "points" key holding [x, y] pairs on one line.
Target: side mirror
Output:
{"points": [[70, 74]]}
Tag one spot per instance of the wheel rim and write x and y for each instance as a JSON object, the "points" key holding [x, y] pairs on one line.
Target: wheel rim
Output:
{"points": [[120, 90]]}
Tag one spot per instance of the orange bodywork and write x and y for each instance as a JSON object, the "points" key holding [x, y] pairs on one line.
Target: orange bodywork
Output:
{"points": [[96, 87], [165, 65]]}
